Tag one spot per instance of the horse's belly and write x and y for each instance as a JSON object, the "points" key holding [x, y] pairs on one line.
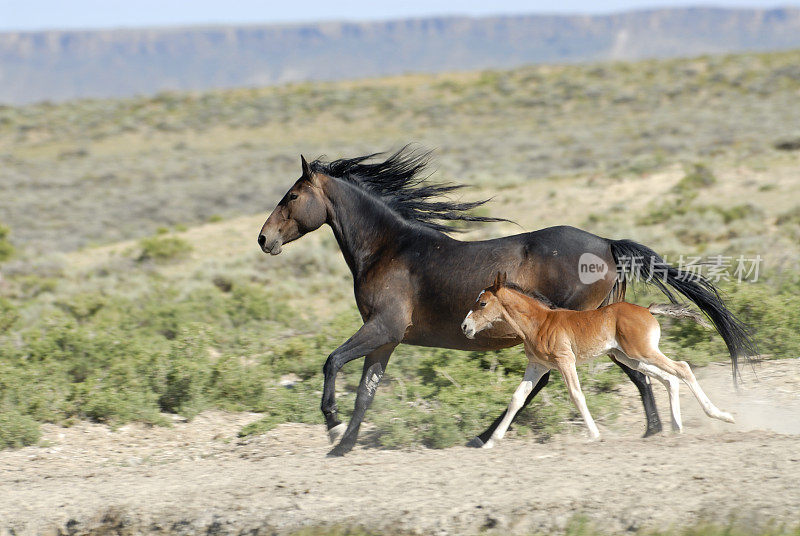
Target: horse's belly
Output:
{"points": [[456, 340], [592, 351]]}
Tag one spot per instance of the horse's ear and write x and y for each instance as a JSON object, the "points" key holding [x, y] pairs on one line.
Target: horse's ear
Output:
{"points": [[306, 167], [498, 281]]}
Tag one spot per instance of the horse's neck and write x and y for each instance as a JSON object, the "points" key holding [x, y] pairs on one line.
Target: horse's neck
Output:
{"points": [[523, 313], [361, 227]]}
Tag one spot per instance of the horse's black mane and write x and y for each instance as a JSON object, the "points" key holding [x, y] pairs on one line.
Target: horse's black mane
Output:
{"points": [[536, 295], [400, 183]]}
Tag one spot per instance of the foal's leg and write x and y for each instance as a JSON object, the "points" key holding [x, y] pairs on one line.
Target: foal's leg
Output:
{"points": [[533, 372], [639, 380], [682, 370], [671, 383], [566, 366], [481, 439], [642, 383]]}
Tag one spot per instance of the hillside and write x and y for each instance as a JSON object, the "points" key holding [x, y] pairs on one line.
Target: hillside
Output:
{"points": [[57, 65], [91, 172]]}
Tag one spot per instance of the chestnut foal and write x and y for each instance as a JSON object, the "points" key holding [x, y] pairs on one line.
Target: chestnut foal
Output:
{"points": [[561, 338]]}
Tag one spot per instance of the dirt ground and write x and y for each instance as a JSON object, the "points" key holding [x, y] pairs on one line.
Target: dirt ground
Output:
{"points": [[199, 477]]}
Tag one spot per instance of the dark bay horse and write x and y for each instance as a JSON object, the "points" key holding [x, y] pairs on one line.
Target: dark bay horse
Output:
{"points": [[414, 283]]}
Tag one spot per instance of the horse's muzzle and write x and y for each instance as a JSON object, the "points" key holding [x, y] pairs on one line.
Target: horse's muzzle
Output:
{"points": [[273, 247], [468, 327]]}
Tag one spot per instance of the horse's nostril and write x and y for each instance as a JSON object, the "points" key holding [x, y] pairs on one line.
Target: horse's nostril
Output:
{"points": [[262, 240]]}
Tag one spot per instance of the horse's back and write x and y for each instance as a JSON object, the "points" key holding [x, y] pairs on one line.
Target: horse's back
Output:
{"points": [[565, 241]]}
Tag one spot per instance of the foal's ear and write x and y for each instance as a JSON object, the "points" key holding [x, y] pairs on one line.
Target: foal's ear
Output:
{"points": [[499, 280], [306, 167], [503, 278]]}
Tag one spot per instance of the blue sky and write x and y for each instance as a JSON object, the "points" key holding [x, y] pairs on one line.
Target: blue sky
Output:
{"points": [[47, 14]]}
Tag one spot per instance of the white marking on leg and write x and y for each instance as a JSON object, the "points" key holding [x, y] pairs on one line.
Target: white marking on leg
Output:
{"points": [[672, 385], [710, 409], [684, 372], [594, 432], [335, 433], [570, 374], [532, 375]]}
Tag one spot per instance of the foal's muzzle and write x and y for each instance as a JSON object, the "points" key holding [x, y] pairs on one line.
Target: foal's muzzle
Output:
{"points": [[468, 327]]}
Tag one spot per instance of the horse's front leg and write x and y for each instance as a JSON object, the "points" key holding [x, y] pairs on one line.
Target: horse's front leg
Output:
{"points": [[374, 367], [371, 336]]}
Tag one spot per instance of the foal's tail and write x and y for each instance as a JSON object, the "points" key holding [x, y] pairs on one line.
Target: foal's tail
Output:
{"points": [[643, 263], [676, 310]]}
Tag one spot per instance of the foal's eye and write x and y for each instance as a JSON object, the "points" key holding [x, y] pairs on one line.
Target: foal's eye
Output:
{"points": [[292, 197], [482, 304]]}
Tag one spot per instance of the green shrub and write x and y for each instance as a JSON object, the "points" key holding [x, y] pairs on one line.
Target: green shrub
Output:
{"points": [[17, 430], [83, 306], [300, 403], [8, 315], [696, 177], [790, 217], [181, 377], [164, 248], [6, 249]]}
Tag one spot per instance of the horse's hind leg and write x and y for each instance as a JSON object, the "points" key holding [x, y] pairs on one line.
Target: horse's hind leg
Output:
{"points": [[642, 383], [567, 368], [671, 383], [682, 370], [532, 375]]}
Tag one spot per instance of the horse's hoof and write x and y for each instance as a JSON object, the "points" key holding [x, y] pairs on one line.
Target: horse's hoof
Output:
{"points": [[652, 430], [338, 451], [475, 443], [335, 433], [727, 417]]}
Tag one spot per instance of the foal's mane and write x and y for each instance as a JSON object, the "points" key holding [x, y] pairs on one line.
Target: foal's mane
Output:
{"points": [[535, 294], [400, 182]]}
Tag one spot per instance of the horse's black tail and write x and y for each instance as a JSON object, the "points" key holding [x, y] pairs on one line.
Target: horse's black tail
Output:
{"points": [[643, 263]]}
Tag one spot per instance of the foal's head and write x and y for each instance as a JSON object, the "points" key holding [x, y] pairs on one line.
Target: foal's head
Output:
{"points": [[487, 309], [302, 210]]}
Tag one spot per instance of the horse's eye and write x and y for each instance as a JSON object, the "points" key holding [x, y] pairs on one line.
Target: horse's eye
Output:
{"points": [[482, 304], [292, 196]]}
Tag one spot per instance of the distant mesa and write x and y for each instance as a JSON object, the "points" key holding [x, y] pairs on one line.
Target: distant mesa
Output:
{"points": [[58, 65]]}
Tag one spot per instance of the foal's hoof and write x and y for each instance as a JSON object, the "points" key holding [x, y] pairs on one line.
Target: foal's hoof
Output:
{"points": [[727, 417], [475, 443], [336, 433]]}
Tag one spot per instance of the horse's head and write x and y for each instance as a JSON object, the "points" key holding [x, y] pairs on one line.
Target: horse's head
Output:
{"points": [[303, 209], [487, 309]]}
